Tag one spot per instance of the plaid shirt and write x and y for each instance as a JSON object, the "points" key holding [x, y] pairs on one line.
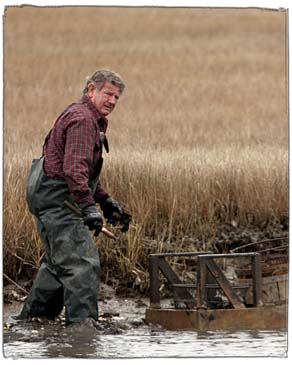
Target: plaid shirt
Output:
{"points": [[73, 150]]}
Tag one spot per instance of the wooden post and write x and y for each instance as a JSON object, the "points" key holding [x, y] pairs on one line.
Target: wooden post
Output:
{"points": [[257, 280], [201, 282], [154, 281]]}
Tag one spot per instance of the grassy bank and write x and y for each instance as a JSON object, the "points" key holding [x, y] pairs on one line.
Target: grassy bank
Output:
{"points": [[199, 139]]}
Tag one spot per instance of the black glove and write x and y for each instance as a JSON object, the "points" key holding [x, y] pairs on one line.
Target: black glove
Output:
{"points": [[125, 222], [92, 218], [114, 213]]}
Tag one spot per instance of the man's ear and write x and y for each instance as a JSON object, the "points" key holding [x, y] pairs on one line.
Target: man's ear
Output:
{"points": [[91, 88]]}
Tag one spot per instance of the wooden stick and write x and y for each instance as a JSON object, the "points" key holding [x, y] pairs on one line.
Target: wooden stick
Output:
{"points": [[14, 283], [108, 233]]}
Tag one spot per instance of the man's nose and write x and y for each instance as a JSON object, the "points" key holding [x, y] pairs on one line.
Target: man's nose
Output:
{"points": [[112, 100]]}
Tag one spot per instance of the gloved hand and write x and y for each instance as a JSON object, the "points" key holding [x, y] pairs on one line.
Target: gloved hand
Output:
{"points": [[92, 219], [114, 213], [125, 221]]}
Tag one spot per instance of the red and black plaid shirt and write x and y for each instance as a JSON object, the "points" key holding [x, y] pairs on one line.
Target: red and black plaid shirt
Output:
{"points": [[73, 150]]}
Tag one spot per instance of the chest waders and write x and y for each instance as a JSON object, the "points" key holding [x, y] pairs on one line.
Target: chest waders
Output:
{"points": [[70, 272]]}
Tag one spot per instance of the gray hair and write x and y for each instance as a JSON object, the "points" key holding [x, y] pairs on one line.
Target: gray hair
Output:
{"points": [[101, 76]]}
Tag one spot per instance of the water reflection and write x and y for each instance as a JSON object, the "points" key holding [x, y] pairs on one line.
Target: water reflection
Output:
{"points": [[72, 348], [145, 342]]}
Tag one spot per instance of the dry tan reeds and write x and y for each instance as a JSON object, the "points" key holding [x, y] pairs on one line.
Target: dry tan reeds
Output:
{"points": [[199, 138]]}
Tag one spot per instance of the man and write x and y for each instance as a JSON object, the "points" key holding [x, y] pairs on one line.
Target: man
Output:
{"points": [[69, 171]]}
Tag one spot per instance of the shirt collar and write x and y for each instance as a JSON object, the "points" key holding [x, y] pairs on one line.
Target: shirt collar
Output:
{"points": [[102, 121]]}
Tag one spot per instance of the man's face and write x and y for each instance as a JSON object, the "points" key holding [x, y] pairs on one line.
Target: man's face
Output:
{"points": [[104, 99]]}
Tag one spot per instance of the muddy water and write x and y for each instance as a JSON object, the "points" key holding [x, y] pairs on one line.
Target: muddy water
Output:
{"points": [[147, 343], [128, 337]]}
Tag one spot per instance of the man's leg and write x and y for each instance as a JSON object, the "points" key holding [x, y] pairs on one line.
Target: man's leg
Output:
{"points": [[46, 296], [74, 257]]}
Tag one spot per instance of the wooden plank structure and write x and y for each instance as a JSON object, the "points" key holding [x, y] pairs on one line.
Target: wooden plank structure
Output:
{"points": [[197, 313]]}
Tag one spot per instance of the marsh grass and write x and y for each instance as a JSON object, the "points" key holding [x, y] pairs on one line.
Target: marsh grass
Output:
{"points": [[199, 139]]}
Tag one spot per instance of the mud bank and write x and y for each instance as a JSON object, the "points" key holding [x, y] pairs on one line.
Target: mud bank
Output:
{"points": [[117, 312], [117, 316]]}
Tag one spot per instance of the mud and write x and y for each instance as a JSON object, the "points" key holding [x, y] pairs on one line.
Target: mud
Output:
{"points": [[122, 334], [118, 316], [115, 312]]}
